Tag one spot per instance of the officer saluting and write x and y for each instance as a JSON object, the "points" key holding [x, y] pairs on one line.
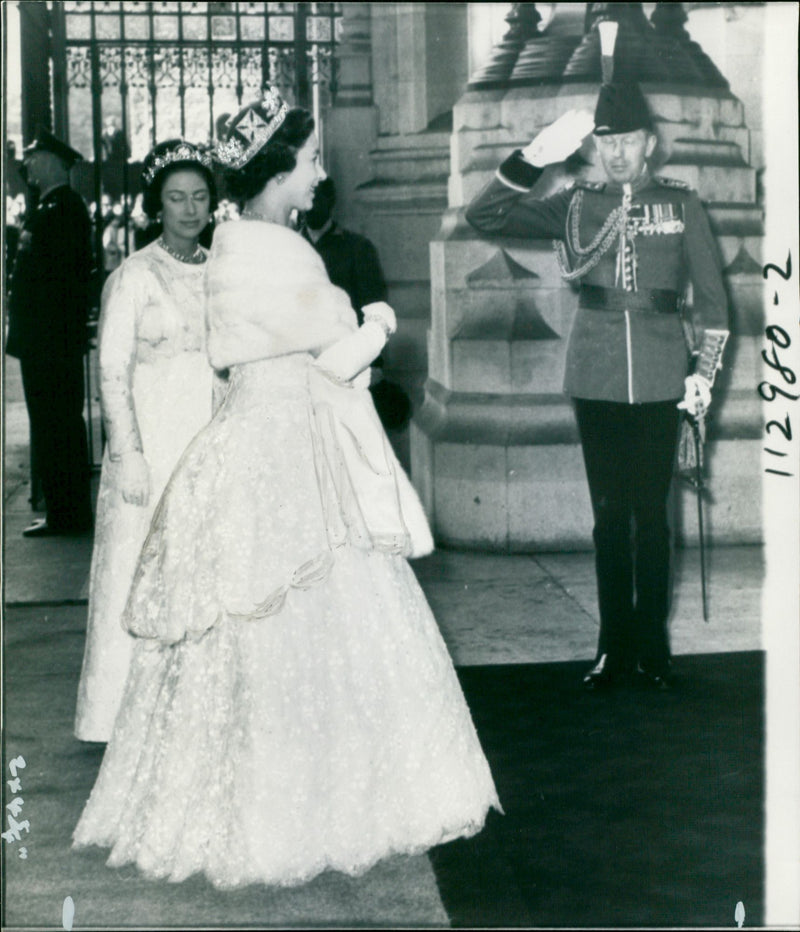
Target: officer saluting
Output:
{"points": [[48, 309], [634, 243]]}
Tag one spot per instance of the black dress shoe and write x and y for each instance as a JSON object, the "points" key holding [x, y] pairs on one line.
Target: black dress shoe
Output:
{"points": [[603, 675], [40, 528], [657, 678]]}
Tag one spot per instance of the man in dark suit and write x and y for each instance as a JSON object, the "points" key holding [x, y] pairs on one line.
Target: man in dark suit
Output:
{"points": [[353, 264], [48, 309], [633, 242]]}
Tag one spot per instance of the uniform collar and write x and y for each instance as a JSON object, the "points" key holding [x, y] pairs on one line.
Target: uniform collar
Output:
{"points": [[645, 179]]}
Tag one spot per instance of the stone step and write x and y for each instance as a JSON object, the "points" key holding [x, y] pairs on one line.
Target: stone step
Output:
{"points": [[694, 151], [408, 195], [422, 156], [429, 138], [736, 219]]}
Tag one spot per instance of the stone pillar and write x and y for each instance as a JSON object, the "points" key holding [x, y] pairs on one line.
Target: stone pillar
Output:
{"points": [[494, 450], [419, 56], [419, 67]]}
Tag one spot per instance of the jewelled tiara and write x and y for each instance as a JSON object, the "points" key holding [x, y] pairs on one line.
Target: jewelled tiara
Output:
{"points": [[183, 152], [233, 153]]}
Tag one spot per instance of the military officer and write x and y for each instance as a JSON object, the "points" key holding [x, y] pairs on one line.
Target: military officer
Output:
{"points": [[48, 309], [633, 243]]}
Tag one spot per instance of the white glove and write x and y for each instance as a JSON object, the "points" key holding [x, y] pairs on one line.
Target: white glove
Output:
{"points": [[698, 396], [559, 140], [381, 312], [353, 353], [134, 478]]}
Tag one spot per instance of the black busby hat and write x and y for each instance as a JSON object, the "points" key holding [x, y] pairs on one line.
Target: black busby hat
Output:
{"points": [[45, 141], [621, 106]]}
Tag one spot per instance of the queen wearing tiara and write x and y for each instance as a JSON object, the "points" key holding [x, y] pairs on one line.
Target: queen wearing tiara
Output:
{"points": [[291, 706], [156, 393]]}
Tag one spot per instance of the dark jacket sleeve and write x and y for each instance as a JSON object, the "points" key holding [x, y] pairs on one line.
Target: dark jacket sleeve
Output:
{"points": [[710, 302], [505, 207]]}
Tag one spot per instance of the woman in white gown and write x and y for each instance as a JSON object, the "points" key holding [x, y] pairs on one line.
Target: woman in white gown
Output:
{"points": [[291, 705], [156, 393]]}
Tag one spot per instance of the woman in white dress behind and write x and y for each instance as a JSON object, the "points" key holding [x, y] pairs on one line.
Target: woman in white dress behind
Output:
{"points": [[156, 394], [291, 705]]}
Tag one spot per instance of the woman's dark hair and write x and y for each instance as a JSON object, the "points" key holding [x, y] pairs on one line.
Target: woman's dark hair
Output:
{"points": [[151, 192], [278, 155]]}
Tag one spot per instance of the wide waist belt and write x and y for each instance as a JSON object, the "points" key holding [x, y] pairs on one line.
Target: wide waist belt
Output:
{"points": [[654, 300]]}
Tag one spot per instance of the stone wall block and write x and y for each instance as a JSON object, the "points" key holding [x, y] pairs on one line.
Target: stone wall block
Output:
{"points": [[548, 499], [470, 506]]}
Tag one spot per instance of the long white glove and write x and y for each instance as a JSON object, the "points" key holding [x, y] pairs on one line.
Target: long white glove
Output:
{"points": [[133, 478], [697, 397], [349, 356], [559, 140]]}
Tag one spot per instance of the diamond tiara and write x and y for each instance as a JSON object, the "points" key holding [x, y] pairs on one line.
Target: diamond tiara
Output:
{"points": [[233, 153], [184, 152]]}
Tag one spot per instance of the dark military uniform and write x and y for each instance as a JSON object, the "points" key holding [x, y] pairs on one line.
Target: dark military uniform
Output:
{"points": [[48, 309], [634, 249]]}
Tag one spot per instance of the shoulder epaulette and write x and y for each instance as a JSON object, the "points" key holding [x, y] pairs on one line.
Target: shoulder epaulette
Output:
{"points": [[590, 185], [673, 183]]}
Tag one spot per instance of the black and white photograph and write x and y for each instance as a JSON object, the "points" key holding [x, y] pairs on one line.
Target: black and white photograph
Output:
{"points": [[401, 465]]}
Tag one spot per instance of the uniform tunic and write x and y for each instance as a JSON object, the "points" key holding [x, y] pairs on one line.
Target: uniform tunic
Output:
{"points": [[628, 341]]}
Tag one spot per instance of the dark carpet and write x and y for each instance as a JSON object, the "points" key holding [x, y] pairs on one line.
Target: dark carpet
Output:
{"points": [[629, 808]]}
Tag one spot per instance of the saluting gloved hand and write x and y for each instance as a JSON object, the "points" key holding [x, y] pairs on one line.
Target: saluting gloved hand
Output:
{"points": [[697, 397], [559, 140], [134, 478]]}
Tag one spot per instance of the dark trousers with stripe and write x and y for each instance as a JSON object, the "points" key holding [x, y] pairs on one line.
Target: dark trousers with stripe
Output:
{"points": [[629, 453]]}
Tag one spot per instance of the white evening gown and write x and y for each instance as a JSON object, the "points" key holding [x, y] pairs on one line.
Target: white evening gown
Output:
{"points": [[311, 717], [156, 389]]}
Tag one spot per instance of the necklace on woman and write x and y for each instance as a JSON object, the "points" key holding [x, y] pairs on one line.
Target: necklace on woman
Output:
{"points": [[196, 257], [250, 214]]}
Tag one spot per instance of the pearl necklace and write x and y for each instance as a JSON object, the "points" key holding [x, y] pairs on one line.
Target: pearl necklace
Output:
{"points": [[196, 257]]}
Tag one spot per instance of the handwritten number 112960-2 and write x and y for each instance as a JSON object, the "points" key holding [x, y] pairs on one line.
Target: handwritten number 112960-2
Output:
{"points": [[778, 339]]}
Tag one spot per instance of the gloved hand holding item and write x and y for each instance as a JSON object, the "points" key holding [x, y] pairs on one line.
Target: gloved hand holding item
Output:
{"points": [[559, 140], [697, 397]]}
